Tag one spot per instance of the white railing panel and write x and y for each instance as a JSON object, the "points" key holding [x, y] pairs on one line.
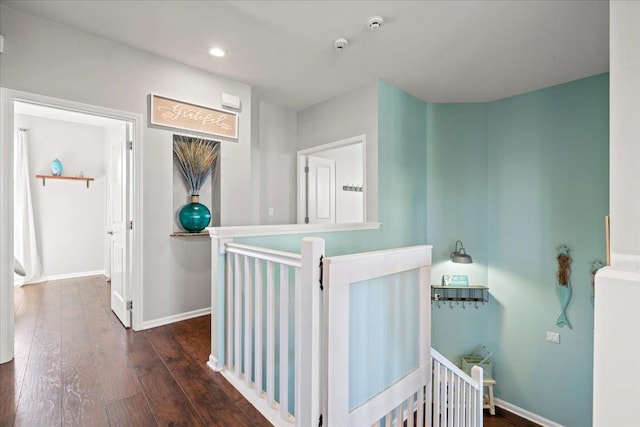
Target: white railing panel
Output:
{"points": [[261, 301], [341, 272], [257, 287]]}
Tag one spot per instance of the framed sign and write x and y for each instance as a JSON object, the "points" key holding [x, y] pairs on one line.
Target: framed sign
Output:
{"points": [[190, 117]]}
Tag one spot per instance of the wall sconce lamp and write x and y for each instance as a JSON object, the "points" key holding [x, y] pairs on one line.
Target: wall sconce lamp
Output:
{"points": [[460, 255]]}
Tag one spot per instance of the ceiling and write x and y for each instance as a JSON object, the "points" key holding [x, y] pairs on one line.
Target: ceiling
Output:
{"points": [[61, 114], [438, 51]]}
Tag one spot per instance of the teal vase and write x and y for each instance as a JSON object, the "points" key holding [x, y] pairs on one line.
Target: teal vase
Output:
{"points": [[194, 216], [56, 167]]}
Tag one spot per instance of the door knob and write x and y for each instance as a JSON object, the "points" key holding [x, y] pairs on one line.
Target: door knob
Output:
{"points": [[110, 233]]}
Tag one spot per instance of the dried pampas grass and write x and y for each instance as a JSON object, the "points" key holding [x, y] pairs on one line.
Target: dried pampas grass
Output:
{"points": [[196, 158]]}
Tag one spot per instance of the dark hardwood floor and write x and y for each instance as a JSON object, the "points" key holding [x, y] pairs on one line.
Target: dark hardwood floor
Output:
{"points": [[76, 365], [504, 418]]}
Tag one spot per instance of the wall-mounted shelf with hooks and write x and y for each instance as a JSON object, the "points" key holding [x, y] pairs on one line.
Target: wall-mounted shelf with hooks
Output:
{"points": [[69, 178], [459, 294]]}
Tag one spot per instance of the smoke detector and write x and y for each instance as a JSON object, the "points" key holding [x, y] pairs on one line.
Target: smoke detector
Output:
{"points": [[340, 44], [375, 22]]}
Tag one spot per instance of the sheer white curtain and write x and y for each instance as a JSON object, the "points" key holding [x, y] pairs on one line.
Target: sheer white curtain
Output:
{"points": [[25, 248]]}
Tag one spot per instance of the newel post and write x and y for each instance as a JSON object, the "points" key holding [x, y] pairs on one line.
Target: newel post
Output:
{"points": [[218, 320], [307, 334], [477, 376]]}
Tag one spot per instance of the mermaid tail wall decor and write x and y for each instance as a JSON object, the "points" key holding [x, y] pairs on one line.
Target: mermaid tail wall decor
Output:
{"points": [[563, 286]]}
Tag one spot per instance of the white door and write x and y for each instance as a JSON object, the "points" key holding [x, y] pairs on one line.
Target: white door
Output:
{"points": [[321, 190], [118, 232]]}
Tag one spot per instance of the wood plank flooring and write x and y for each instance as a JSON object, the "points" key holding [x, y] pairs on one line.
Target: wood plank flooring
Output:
{"points": [[76, 365], [504, 418]]}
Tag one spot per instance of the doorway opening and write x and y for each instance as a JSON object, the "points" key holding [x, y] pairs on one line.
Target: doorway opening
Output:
{"points": [[81, 171], [331, 181], [71, 208]]}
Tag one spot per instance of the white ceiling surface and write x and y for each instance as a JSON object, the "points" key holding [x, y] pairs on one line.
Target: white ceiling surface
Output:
{"points": [[439, 51], [60, 114]]}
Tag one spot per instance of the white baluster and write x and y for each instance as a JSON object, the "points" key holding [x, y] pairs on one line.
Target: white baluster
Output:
{"points": [[248, 321], [230, 317], [237, 324], [284, 341], [270, 334], [257, 268]]}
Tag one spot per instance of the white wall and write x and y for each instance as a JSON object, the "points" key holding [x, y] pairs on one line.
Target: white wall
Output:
{"points": [[69, 217], [350, 114], [349, 171], [49, 59], [616, 381], [277, 153], [624, 131]]}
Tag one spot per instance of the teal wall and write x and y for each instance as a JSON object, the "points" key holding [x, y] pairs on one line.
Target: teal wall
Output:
{"points": [[548, 185], [457, 193], [541, 160]]}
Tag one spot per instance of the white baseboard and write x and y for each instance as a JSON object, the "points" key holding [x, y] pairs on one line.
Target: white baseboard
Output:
{"points": [[260, 404], [175, 318], [213, 364], [526, 414], [68, 276]]}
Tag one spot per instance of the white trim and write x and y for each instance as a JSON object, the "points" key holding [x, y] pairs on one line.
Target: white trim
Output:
{"points": [[336, 144], [274, 230], [7, 99], [71, 275], [526, 414], [174, 318], [628, 262], [213, 364], [279, 257]]}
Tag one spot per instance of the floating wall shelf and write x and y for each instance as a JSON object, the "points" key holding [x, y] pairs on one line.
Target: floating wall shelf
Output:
{"points": [[68, 178], [187, 234], [459, 294]]}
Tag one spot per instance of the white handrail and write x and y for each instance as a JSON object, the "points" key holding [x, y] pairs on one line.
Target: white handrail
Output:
{"points": [[279, 257]]}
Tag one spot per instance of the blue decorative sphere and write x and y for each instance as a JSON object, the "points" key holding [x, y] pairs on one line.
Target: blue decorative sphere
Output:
{"points": [[194, 217], [56, 167]]}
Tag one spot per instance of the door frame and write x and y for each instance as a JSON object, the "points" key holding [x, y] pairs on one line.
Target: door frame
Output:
{"points": [[7, 98], [300, 162]]}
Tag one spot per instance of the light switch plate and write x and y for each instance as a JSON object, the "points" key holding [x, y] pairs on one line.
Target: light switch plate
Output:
{"points": [[553, 337]]}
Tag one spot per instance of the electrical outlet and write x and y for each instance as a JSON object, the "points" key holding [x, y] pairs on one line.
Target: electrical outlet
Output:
{"points": [[553, 337], [270, 211]]}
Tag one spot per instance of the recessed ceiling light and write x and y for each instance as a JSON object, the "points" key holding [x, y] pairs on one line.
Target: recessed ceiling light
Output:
{"points": [[216, 51]]}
